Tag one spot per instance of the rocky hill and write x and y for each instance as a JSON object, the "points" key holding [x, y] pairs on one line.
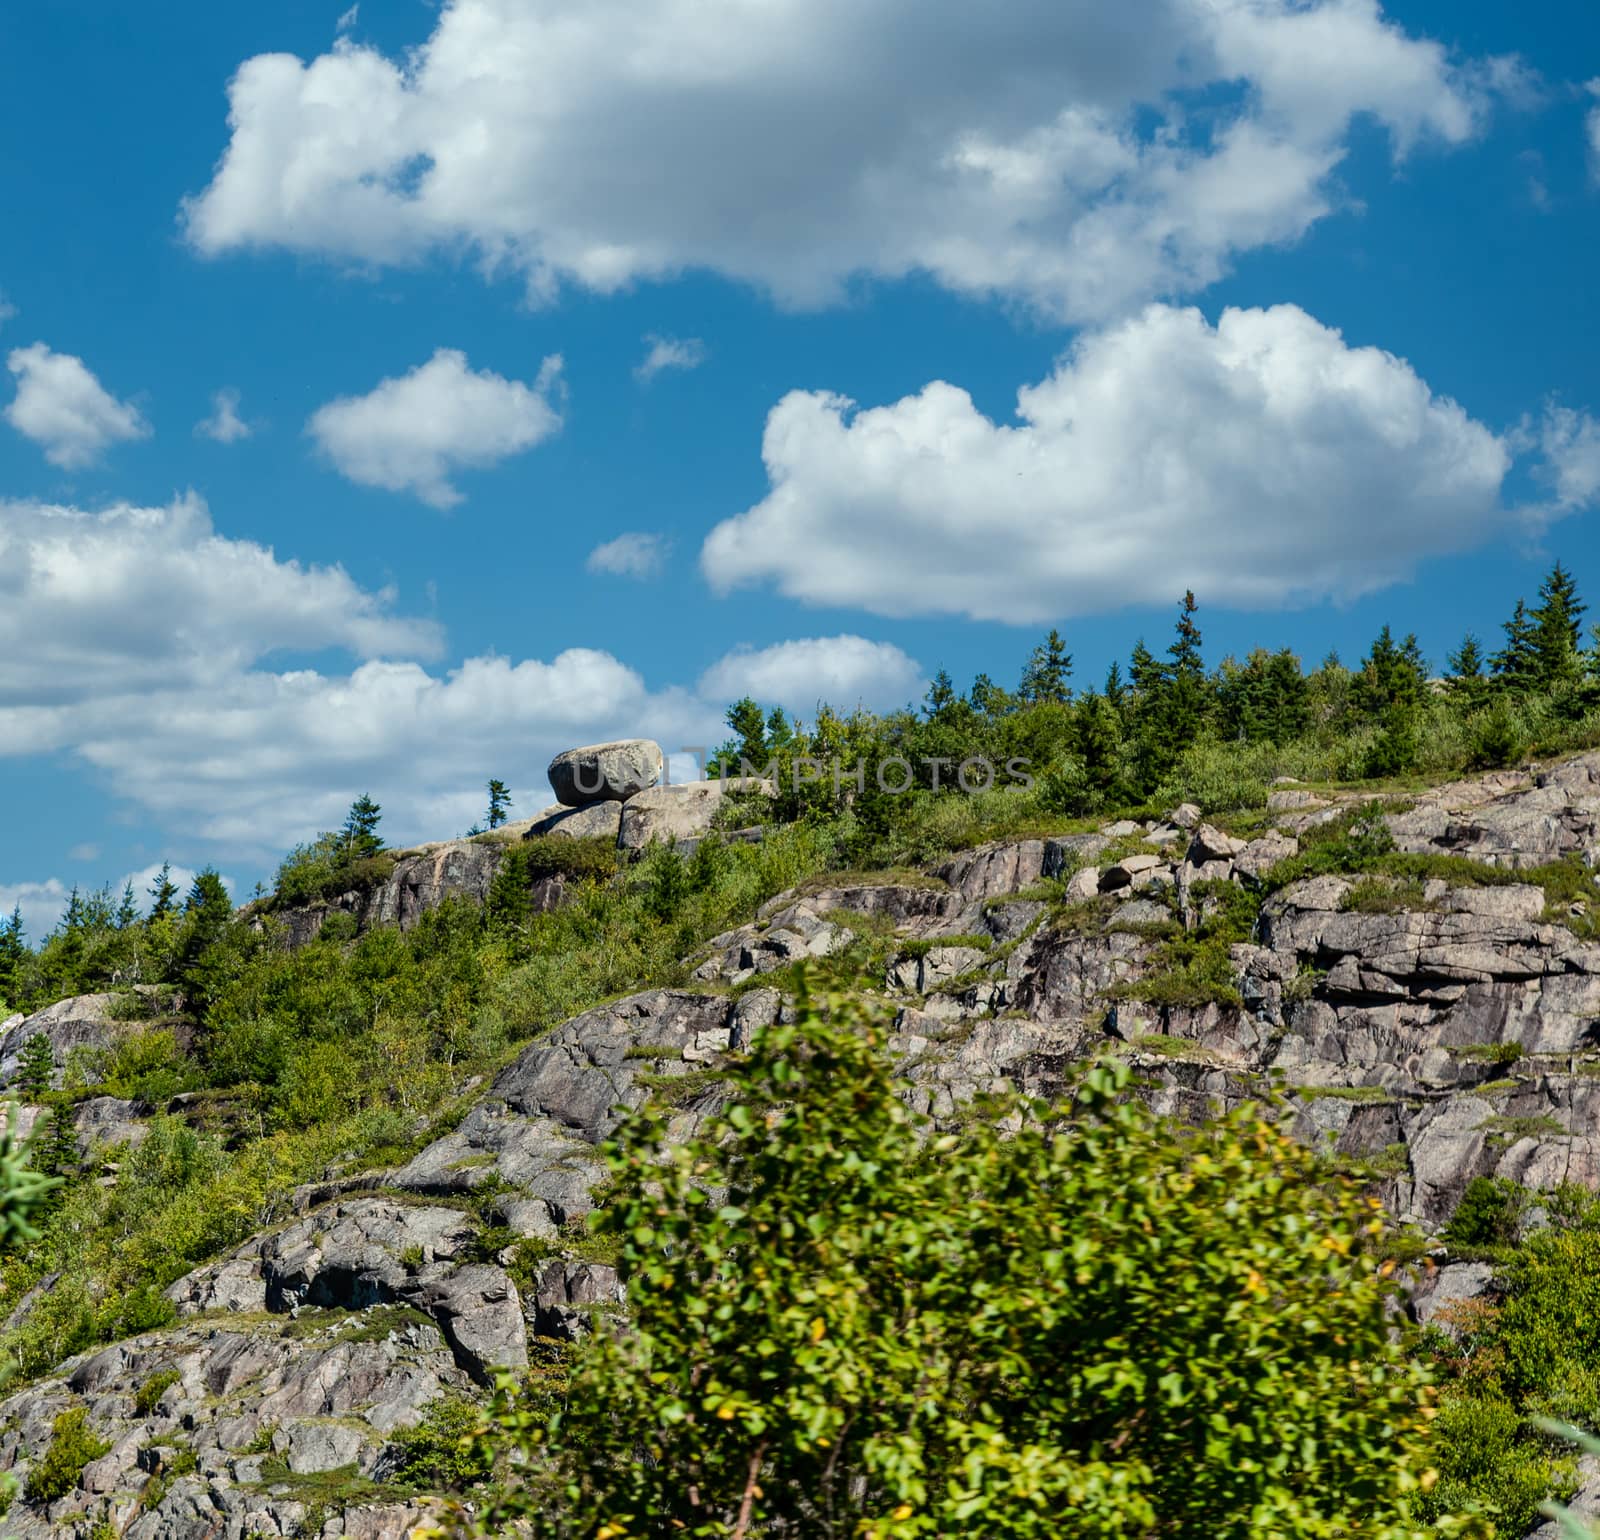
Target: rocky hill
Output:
{"points": [[1425, 1024]]}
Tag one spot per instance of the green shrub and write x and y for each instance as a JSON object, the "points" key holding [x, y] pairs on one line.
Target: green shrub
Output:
{"points": [[72, 1446], [149, 1394], [1487, 1215], [440, 1454], [1488, 1458], [579, 860], [1156, 1329]]}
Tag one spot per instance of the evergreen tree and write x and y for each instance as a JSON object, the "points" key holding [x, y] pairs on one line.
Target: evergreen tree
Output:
{"points": [[37, 1067], [499, 801], [72, 917], [1115, 689], [510, 901], [1467, 682], [359, 837], [939, 703], [1557, 630], [163, 893], [987, 698], [1048, 673], [1185, 649], [1393, 675], [59, 1155], [1146, 675], [1516, 664], [128, 909], [13, 953]]}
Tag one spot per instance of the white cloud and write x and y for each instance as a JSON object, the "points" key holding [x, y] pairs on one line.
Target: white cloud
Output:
{"points": [[1569, 446], [8, 311], [225, 425], [1079, 157], [107, 604], [669, 353], [844, 671], [412, 433], [633, 555], [1592, 124], [84, 853], [1262, 461], [65, 410], [347, 20]]}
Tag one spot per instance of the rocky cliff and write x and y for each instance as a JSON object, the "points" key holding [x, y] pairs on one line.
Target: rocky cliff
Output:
{"points": [[1429, 1029]]}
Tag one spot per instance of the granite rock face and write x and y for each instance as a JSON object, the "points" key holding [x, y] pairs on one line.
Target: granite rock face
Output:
{"points": [[1449, 1033]]}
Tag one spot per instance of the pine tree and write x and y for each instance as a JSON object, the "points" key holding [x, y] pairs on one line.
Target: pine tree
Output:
{"points": [[499, 801], [13, 952], [1146, 675], [359, 837], [510, 900], [1516, 664], [163, 893], [36, 1069], [1115, 689], [1048, 673], [72, 917], [128, 909], [1185, 648], [1467, 683], [941, 697], [1393, 674], [59, 1155], [1557, 630]]}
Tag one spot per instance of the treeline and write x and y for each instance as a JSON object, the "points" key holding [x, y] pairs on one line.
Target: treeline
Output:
{"points": [[1169, 728]]}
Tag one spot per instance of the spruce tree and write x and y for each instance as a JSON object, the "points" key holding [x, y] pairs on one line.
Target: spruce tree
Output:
{"points": [[1516, 664], [1046, 679], [510, 902], [163, 893], [1467, 683], [1115, 689], [13, 952], [941, 697], [1392, 675], [37, 1067], [1557, 630], [499, 801], [359, 837], [128, 909]]}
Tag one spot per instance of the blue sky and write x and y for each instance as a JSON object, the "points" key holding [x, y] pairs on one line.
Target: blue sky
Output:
{"points": [[1299, 293]]}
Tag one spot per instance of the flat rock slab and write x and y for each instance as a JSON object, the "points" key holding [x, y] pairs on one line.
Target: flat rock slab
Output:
{"points": [[606, 772], [686, 811], [600, 820]]}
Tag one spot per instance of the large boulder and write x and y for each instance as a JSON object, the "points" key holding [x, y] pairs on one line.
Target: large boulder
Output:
{"points": [[606, 772], [84, 1021]]}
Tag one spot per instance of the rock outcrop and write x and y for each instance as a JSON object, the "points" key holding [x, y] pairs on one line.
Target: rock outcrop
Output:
{"points": [[606, 772], [1427, 1033]]}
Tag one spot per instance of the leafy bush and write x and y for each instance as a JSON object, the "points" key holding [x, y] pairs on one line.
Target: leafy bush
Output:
{"points": [[73, 1445], [440, 1453], [1487, 1215], [579, 860], [149, 1394], [1157, 1329]]}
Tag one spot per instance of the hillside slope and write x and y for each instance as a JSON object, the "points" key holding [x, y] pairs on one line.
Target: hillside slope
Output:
{"points": [[1419, 982]]}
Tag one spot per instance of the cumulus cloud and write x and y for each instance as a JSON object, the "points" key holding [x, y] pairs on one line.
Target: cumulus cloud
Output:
{"points": [[1081, 158], [1568, 443], [65, 410], [632, 556], [1261, 461], [130, 599], [411, 433], [844, 671], [224, 425], [669, 353]]}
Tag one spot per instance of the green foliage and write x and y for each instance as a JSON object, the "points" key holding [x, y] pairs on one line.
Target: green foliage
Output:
{"points": [[24, 1191], [1488, 1461], [149, 1394], [578, 860], [73, 1444], [1486, 1217], [37, 1067], [499, 801], [440, 1452], [510, 902], [1156, 1329]]}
